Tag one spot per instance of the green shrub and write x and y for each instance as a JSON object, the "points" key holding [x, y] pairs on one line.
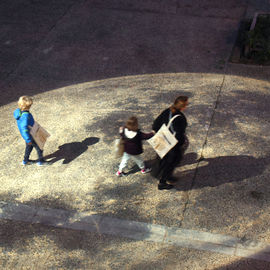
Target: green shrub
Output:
{"points": [[258, 40]]}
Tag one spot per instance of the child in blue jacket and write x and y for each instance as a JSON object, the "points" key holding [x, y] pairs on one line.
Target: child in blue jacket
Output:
{"points": [[25, 119]]}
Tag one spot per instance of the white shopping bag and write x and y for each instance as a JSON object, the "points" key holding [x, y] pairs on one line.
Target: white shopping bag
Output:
{"points": [[39, 134], [163, 141]]}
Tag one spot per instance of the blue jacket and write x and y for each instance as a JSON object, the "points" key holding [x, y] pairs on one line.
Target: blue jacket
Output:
{"points": [[24, 119]]}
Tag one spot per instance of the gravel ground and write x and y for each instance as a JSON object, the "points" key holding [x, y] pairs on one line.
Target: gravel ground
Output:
{"points": [[89, 65], [26, 246]]}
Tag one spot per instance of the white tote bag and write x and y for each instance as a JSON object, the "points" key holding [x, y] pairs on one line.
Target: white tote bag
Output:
{"points": [[163, 141], [39, 134]]}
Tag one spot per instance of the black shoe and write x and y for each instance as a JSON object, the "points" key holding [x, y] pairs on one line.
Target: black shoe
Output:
{"points": [[172, 179], [164, 186]]}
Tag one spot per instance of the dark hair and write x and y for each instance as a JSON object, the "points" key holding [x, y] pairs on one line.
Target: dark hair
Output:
{"points": [[182, 100], [132, 123]]}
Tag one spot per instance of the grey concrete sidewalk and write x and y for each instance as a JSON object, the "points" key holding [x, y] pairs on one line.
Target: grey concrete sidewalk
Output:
{"points": [[46, 247], [91, 64], [140, 231]]}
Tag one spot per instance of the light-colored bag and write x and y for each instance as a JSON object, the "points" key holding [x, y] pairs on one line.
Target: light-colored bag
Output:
{"points": [[163, 141], [118, 147], [39, 134]]}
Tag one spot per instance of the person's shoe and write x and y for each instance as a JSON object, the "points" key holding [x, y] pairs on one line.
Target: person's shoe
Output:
{"points": [[164, 186], [119, 174], [146, 170], [29, 162], [42, 163], [172, 179]]}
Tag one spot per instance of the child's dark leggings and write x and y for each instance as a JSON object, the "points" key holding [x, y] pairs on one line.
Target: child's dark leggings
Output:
{"points": [[28, 150]]}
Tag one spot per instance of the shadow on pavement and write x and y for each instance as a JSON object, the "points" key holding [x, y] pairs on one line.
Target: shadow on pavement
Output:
{"points": [[219, 170], [52, 44], [259, 261], [36, 246], [70, 151], [23, 238]]}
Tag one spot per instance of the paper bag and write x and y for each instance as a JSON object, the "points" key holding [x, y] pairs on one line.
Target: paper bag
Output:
{"points": [[39, 134]]}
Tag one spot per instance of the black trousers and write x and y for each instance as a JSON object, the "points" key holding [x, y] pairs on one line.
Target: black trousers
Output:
{"points": [[163, 168], [28, 150]]}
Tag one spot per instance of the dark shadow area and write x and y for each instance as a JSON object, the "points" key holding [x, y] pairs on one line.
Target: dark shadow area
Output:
{"points": [[72, 263], [9, 196], [12, 236], [189, 158], [109, 124], [70, 151], [59, 201], [18, 237], [253, 105], [133, 168], [225, 191], [241, 264], [72, 249], [221, 170], [51, 44], [260, 261]]}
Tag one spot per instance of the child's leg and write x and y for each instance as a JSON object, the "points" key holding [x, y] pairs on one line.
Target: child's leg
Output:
{"points": [[139, 161], [39, 151], [124, 161], [28, 150]]}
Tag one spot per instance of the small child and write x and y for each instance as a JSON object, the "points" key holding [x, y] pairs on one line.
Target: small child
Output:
{"points": [[25, 119], [133, 137]]}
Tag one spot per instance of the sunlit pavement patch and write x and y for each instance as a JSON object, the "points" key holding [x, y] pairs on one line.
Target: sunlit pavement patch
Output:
{"points": [[137, 230]]}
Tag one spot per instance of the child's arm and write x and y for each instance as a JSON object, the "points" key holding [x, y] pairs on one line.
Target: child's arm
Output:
{"points": [[25, 131], [121, 130], [146, 136]]}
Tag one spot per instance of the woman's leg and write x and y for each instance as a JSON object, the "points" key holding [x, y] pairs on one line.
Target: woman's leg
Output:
{"points": [[171, 160]]}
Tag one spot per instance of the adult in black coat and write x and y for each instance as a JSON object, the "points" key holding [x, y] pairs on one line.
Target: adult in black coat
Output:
{"points": [[163, 168]]}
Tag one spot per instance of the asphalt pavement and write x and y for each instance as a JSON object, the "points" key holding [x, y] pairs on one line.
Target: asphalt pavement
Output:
{"points": [[89, 65]]}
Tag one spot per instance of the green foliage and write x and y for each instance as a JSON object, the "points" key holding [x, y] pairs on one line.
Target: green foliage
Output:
{"points": [[258, 40]]}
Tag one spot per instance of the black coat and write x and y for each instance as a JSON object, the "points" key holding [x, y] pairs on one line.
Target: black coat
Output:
{"points": [[163, 168], [179, 124], [134, 146]]}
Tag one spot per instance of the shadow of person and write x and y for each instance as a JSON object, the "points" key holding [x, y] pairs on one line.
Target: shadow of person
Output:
{"points": [[216, 171], [189, 158], [70, 151]]}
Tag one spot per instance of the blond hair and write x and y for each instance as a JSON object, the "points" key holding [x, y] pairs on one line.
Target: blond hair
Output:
{"points": [[25, 102]]}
